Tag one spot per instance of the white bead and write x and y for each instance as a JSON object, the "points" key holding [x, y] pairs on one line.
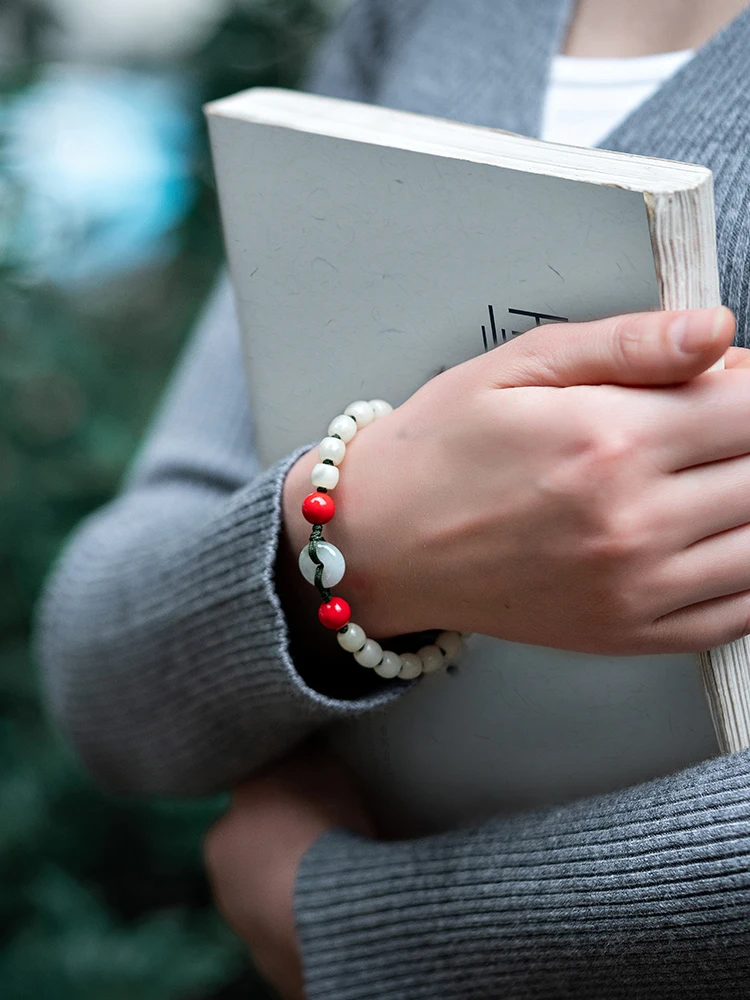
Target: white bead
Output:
{"points": [[326, 476], [333, 561], [411, 666], [370, 655], [451, 644], [345, 427], [380, 407], [432, 659], [353, 639], [332, 448], [362, 412], [389, 666]]}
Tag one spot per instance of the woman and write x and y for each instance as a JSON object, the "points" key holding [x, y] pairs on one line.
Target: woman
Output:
{"points": [[177, 653]]}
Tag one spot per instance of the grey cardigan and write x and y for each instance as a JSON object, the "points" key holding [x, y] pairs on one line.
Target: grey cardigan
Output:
{"points": [[165, 648]]}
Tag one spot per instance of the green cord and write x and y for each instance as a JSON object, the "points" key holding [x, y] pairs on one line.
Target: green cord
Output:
{"points": [[312, 550], [317, 536]]}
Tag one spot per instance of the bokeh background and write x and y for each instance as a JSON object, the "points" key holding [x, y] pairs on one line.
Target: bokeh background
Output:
{"points": [[109, 241]]}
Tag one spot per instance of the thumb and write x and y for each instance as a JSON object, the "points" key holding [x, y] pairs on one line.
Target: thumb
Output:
{"points": [[653, 348]]}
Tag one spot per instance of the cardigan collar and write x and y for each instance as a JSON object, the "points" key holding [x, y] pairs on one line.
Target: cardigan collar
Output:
{"points": [[491, 65], [484, 62], [702, 115]]}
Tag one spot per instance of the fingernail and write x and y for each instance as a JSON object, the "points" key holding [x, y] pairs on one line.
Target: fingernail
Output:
{"points": [[697, 329]]}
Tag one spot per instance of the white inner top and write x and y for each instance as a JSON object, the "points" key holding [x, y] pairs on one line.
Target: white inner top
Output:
{"points": [[588, 98]]}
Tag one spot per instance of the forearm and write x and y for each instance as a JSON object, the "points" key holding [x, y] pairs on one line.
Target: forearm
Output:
{"points": [[164, 644], [166, 652], [643, 893], [165, 648]]}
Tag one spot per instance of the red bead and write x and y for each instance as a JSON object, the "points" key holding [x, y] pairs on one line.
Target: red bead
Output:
{"points": [[335, 614], [318, 508]]}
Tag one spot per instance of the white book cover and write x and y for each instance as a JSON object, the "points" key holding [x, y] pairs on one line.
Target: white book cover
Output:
{"points": [[371, 248]]}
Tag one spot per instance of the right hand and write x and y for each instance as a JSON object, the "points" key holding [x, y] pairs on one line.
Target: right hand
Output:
{"points": [[585, 487]]}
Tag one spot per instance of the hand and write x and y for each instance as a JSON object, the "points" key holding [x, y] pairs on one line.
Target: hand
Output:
{"points": [[737, 357], [520, 495], [254, 851]]}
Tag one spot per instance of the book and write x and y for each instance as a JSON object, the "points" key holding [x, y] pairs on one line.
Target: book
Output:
{"points": [[369, 249]]}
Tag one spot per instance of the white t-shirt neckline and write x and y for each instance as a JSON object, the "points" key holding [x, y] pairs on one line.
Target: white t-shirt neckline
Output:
{"points": [[588, 97], [609, 71]]}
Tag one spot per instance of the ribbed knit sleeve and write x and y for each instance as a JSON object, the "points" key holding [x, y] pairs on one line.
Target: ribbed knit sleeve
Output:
{"points": [[165, 651], [164, 646], [638, 895]]}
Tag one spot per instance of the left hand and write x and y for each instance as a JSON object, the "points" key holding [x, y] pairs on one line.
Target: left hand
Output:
{"points": [[253, 854]]}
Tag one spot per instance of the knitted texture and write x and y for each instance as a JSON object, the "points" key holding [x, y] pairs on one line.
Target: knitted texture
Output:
{"points": [[166, 652], [641, 894], [163, 642]]}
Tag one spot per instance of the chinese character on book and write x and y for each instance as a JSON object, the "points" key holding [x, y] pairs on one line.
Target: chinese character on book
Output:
{"points": [[493, 340]]}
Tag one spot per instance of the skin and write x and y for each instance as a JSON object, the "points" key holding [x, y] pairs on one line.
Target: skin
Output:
{"points": [[622, 28], [609, 540], [254, 852]]}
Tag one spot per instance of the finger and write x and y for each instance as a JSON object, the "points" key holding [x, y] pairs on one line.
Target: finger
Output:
{"points": [[716, 567], [702, 626], [708, 499], [656, 348], [707, 420], [737, 357]]}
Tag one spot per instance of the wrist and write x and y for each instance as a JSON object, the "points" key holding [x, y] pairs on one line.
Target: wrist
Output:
{"points": [[380, 598], [377, 583]]}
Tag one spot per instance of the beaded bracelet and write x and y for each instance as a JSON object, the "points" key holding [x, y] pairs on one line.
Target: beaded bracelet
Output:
{"points": [[323, 565]]}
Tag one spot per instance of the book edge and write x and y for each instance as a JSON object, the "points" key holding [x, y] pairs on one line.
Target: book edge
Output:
{"points": [[411, 131]]}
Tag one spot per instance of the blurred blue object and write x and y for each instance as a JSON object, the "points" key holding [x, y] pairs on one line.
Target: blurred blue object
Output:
{"points": [[100, 165]]}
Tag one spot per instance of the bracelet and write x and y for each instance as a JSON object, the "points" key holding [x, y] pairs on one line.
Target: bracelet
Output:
{"points": [[323, 565]]}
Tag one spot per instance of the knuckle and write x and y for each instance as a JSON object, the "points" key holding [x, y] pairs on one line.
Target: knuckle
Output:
{"points": [[627, 340], [594, 442], [619, 538], [626, 612], [591, 458], [618, 553], [596, 480], [619, 619], [607, 450]]}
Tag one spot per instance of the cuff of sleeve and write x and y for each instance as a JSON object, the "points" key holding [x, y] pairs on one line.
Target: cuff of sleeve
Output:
{"points": [[236, 699], [264, 510], [267, 509], [366, 926], [639, 893]]}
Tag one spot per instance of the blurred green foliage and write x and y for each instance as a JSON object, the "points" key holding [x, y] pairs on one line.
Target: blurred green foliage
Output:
{"points": [[102, 899]]}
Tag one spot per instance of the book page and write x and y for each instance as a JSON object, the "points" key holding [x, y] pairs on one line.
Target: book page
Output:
{"points": [[362, 270]]}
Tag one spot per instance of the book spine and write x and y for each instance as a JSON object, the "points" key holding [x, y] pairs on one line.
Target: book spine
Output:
{"points": [[682, 226]]}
